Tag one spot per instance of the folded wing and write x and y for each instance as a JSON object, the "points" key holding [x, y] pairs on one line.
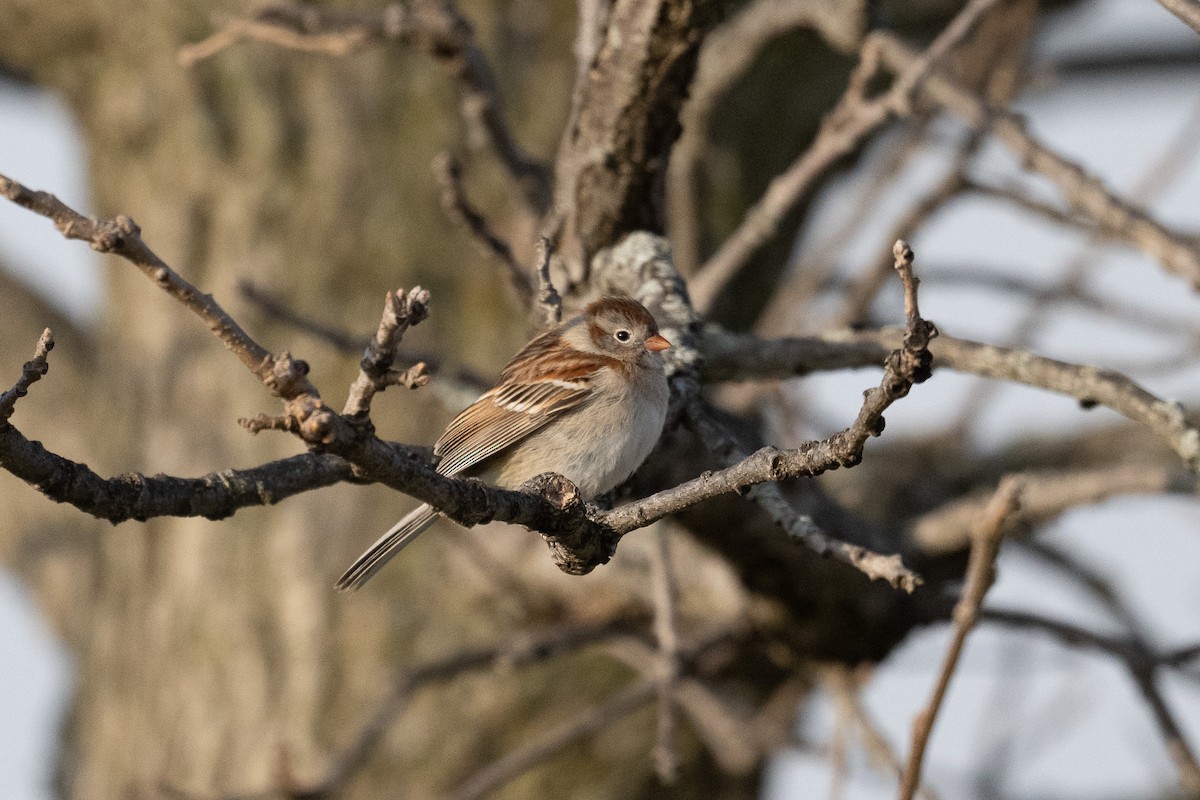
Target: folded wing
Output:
{"points": [[504, 416]]}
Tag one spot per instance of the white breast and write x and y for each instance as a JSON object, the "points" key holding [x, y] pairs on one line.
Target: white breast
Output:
{"points": [[599, 444]]}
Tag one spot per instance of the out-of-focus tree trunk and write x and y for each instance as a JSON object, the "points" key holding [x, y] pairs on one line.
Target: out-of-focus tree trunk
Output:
{"points": [[215, 657], [206, 652]]}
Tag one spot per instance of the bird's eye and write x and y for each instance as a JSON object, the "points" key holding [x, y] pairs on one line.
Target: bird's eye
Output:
{"points": [[622, 335]]}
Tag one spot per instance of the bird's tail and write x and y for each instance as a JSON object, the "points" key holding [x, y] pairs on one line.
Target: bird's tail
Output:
{"points": [[388, 545]]}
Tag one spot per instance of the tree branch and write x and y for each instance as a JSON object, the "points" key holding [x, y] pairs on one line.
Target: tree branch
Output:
{"points": [[400, 312], [448, 173], [1143, 666], [850, 123], [433, 26], [1047, 495], [31, 372], [1082, 191], [281, 374], [134, 496], [1186, 10], [985, 544], [740, 357]]}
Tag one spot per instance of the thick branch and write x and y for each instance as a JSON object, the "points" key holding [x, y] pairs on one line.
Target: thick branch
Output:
{"points": [[624, 120], [134, 496]]}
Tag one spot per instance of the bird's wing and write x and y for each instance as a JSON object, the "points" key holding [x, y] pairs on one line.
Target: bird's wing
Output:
{"points": [[504, 416]]}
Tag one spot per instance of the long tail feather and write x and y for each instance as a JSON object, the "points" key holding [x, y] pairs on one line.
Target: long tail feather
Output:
{"points": [[388, 546]]}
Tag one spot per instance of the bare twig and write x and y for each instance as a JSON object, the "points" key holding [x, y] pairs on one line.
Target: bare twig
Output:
{"points": [[433, 26], [1047, 495], [727, 54], [839, 680], [667, 666], [624, 702], [985, 543], [448, 172], [620, 704], [1082, 191], [854, 119], [862, 292], [31, 372], [1143, 666], [522, 649], [1186, 10], [309, 29], [746, 358], [841, 133], [400, 311], [790, 308], [797, 526], [519, 650], [1170, 164], [276, 309], [281, 374]]}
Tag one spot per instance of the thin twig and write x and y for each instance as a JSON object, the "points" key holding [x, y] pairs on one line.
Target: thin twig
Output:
{"points": [[667, 666], [1143, 666], [448, 172], [839, 680], [728, 52], [1082, 191], [1047, 495], [281, 374], [31, 372], [434, 26], [1167, 167], [621, 704], [519, 650], [729, 357], [854, 119], [862, 292], [791, 309], [276, 309], [800, 527], [985, 544], [401, 311], [527, 648], [1186, 10]]}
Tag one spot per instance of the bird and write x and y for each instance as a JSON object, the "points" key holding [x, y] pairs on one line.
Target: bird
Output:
{"points": [[587, 399]]}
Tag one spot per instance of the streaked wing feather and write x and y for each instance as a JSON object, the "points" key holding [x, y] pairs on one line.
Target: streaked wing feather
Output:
{"points": [[503, 417]]}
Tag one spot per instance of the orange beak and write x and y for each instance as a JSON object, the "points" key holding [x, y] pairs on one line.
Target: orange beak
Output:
{"points": [[656, 343]]}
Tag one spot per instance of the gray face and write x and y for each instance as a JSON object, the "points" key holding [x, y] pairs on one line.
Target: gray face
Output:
{"points": [[620, 327]]}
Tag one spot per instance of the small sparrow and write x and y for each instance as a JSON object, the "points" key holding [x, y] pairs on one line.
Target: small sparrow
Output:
{"points": [[587, 399]]}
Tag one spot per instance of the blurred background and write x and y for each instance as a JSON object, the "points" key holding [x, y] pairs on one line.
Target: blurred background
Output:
{"points": [[199, 659]]}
